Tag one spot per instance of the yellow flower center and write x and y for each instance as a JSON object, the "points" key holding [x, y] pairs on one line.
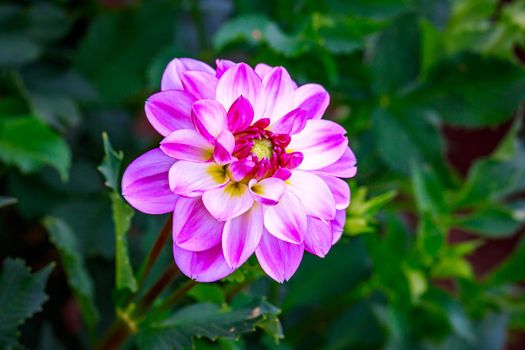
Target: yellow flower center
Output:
{"points": [[262, 148]]}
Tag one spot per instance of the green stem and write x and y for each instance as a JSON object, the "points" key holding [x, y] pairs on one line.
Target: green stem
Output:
{"points": [[157, 289], [178, 294]]}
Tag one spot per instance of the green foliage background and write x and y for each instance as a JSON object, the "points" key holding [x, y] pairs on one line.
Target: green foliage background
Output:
{"points": [[401, 73]]}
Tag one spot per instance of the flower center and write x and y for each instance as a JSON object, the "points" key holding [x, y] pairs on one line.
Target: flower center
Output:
{"points": [[262, 149]]}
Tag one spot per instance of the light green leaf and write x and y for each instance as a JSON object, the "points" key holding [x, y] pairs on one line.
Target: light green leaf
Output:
{"points": [[21, 296], [122, 215], [428, 190], [203, 320], [111, 164], [208, 292], [61, 235], [494, 221], [28, 143]]}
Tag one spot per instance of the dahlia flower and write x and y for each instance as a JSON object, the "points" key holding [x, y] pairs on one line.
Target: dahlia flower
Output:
{"points": [[246, 166]]}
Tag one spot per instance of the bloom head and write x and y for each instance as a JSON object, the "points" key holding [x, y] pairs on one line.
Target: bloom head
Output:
{"points": [[246, 165]]}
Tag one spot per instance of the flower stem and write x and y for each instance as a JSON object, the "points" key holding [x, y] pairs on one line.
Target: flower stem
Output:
{"points": [[178, 294], [157, 288], [154, 252]]}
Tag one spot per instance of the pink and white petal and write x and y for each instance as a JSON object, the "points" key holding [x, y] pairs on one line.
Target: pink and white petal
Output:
{"points": [[209, 118], [171, 78], [241, 236], [222, 154], [314, 194], [190, 179], [262, 69], [267, 191], [346, 166], [145, 183], [229, 201], [199, 84], [168, 111], [322, 142], [239, 169], [187, 145], [313, 98], [292, 123], [287, 219], [340, 190], [206, 266], [200, 231], [241, 80], [240, 115], [338, 225], [318, 239], [222, 66], [278, 92], [279, 259]]}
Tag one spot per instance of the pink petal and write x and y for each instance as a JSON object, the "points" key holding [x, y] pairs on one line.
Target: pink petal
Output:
{"points": [[187, 145], [222, 153], [145, 183], [229, 201], [209, 118], [193, 227], [240, 115], [292, 123], [322, 142], [241, 168], [171, 79], [318, 238], [241, 236], [199, 84], [340, 190], [206, 266], [313, 98], [267, 191], [343, 167], [279, 259], [222, 66], [262, 69], [241, 80], [313, 193], [169, 111], [190, 179], [287, 219], [278, 92], [338, 225]]}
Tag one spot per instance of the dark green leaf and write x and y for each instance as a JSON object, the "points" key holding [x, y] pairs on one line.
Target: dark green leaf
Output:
{"points": [[473, 90], [511, 270], [202, 320], [495, 221], [79, 280], [208, 292], [428, 190], [21, 296], [255, 30], [111, 164], [378, 8], [396, 55], [29, 144], [404, 136], [119, 46]]}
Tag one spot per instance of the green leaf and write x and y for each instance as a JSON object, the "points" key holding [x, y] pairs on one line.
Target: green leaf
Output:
{"points": [[61, 235], [256, 29], [122, 215], [111, 164], [399, 43], [208, 292], [6, 201], [377, 8], [21, 296], [494, 221], [404, 136], [474, 90], [430, 237], [511, 270], [428, 190], [203, 320], [28, 143], [119, 45]]}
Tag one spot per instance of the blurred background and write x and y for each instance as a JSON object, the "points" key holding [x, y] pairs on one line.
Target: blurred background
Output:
{"points": [[431, 94]]}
